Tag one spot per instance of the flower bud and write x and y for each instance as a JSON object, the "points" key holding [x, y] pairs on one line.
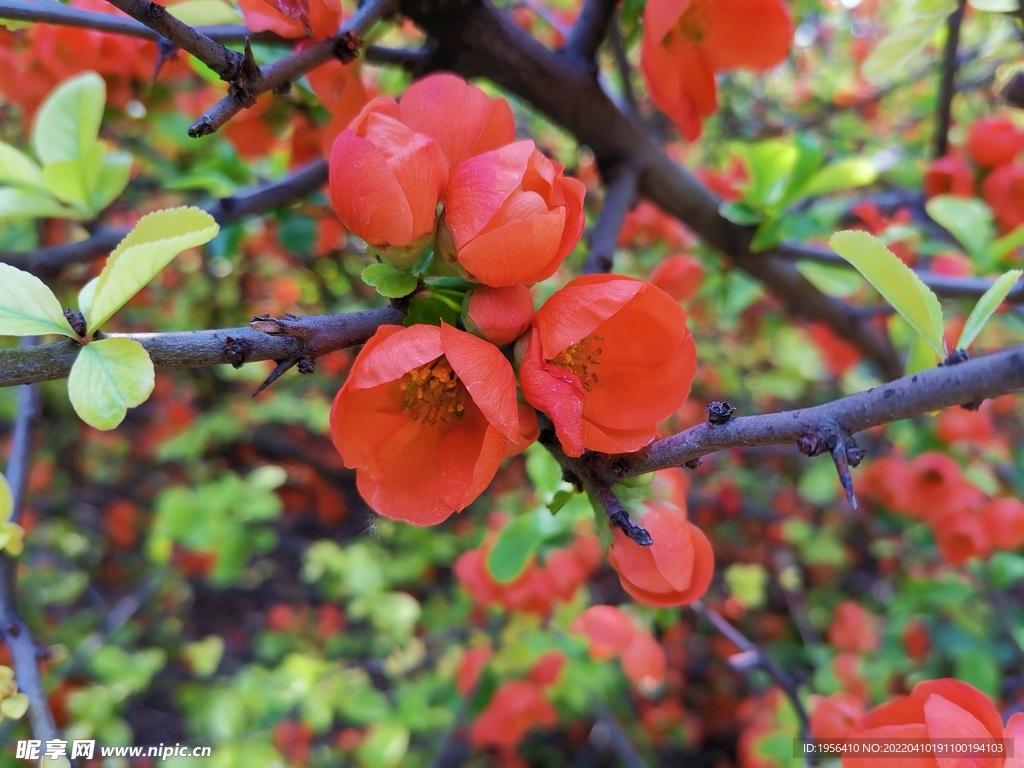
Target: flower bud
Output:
{"points": [[500, 315]]}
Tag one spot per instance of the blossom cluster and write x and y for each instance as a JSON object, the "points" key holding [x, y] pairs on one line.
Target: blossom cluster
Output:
{"points": [[428, 412]]}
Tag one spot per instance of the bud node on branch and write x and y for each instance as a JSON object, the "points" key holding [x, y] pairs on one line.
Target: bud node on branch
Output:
{"points": [[719, 412]]}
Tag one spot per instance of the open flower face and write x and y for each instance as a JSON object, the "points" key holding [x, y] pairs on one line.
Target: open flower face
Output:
{"points": [[425, 418], [608, 357]]}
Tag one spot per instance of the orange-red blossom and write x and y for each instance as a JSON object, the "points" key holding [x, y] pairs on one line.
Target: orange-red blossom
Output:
{"points": [[608, 357], [687, 42], [425, 418]]}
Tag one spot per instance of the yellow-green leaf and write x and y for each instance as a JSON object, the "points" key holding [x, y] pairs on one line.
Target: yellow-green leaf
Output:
{"points": [[85, 296], [19, 170], [12, 538], [995, 6], [30, 204], [65, 180], [146, 250], [204, 656], [895, 281], [109, 377], [385, 746], [28, 307], [898, 49], [14, 706], [108, 179], [847, 173], [68, 121], [967, 219], [197, 13], [6, 500], [986, 307]]}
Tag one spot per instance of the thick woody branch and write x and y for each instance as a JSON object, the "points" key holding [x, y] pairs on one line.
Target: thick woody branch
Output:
{"points": [[226, 210], [344, 46], [826, 425], [13, 629], [313, 336], [477, 40], [620, 197], [52, 12], [226, 63], [590, 29]]}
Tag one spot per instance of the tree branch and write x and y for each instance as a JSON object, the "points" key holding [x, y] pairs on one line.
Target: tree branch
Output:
{"points": [[224, 211], [314, 335], [947, 85], [226, 63], [759, 659], [477, 40], [969, 382], [344, 46], [590, 29], [13, 629], [51, 12], [620, 197]]}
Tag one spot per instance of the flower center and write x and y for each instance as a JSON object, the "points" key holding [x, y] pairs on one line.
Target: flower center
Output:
{"points": [[579, 358], [433, 392]]}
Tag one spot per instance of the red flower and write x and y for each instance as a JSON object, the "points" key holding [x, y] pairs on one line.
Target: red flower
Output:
{"points": [[675, 570], [936, 487], [425, 417], [643, 660], [293, 18], [948, 175], [500, 315], [607, 359], [511, 215], [679, 275], [853, 628], [837, 355], [461, 118], [386, 179], [547, 668], [993, 141], [1004, 191], [1004, 522], [835, 716], [687, 42], [916, 640], [470, 666], [647, 225], [935, 709], [517, 707], [609, 629]]}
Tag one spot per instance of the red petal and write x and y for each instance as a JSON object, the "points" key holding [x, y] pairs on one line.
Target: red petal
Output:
{"points": [[523, 251], [575, 311], [556, 392], [479, 186], [398, 351], [661, 15], [747, 34], [487, 375], [681, 82]]}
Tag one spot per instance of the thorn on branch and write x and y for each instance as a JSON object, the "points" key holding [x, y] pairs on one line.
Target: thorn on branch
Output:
{"points": [[956, 357], [719, 412], [846, 454], [307, 365], [619, 517], [243, 85], [156, 11], [283, 366]]}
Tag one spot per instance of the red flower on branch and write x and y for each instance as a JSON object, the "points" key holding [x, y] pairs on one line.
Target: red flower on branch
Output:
{"points": [[425, 417], [687, 42], [517, 707], [675, 570], [607, 359], [293, 18], [511, 216], [993, 141], [386, 180], [948, 175]]}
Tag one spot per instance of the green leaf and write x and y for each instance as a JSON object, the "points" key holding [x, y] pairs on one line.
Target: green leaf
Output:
{"points": [[389, 281], [197, 13], [65, 180], [28, 307], [747, 583], [897, 50], [109, 377], [769, 164], [828, 278], [68, 121], [385, 746], [204, 656], [1005, 568], [516, 544], [995, 6], [19, 170], [559, 500], [986, 307], [740, 213], [6, 500], [1005, 244], [14, 706], [968, 219], [808, 160], [107, 178], [29, 204], [977, 667], [147, 249], [895, 281], [847, 173], [85, 296]]}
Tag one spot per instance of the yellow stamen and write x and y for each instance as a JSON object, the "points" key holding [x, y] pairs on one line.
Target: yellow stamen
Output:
{"points": [[433, 392], [579, 359]]}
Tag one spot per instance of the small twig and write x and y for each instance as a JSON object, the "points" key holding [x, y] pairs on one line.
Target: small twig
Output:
{"points": [[197, 349], [344, 46], [762, 660], [226, 210], [616, 735], [415, 61], [617, 514], [947, 85], [620, 197], [784, 560], [622, 64], [589, 30], [13, 629], [225, 62]]}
